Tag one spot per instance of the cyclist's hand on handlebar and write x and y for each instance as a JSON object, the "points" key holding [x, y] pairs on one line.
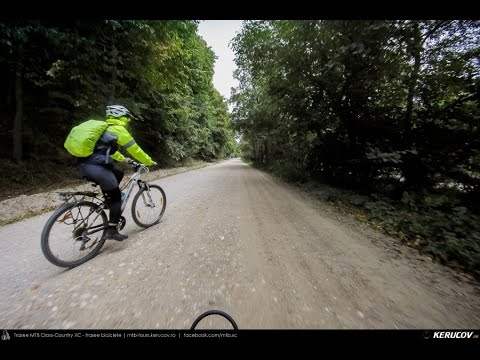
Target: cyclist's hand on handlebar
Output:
{"points": [[132, 162], [153, 164]]}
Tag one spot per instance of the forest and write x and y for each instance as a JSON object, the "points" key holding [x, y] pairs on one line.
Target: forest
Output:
{"points": [[389, 110], [56, 74]]}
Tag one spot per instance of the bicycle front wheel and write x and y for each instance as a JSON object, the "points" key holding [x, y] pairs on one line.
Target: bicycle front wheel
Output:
{"points": [[74, 234], [148, 206]]}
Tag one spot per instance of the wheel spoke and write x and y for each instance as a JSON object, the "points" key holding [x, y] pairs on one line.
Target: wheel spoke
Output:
{"points": [[69, 244], [149, 206]]}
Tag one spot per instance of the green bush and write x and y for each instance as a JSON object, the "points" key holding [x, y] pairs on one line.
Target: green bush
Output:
{"points": [[451, 234], [289, 172]]}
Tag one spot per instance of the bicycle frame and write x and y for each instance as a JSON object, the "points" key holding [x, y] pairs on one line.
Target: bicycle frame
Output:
{"points": [[135, 178], [75, 219], [82, 210], [129, 185]]}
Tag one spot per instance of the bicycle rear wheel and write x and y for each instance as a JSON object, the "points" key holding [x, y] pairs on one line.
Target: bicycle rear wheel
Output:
{"points": [[148, 206], [74, 234]]}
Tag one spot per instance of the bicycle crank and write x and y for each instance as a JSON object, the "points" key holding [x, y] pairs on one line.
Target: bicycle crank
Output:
{"points": [[122, 222]]}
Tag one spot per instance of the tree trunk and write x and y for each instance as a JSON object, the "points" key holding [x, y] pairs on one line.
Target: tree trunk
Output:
{"points": [[18, 120], [260, 150], [10, 92], [416, 48], [114, 73], [254, 144], [412, 167], [266, 151]]}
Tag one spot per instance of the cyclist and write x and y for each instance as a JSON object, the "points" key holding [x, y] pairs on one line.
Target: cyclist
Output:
{"points": [[99, 167]]}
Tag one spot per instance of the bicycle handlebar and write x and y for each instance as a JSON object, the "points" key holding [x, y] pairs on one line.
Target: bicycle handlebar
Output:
{"points": [[139, 166]]}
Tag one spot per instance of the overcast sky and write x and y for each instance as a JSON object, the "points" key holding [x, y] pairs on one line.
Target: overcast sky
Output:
{"points": [[217, 34]]}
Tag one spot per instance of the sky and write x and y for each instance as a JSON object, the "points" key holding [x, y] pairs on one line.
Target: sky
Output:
{"points": [[217, 34]]}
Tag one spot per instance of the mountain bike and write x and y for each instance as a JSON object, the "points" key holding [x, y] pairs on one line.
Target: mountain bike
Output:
{"points": [[75, 232]]}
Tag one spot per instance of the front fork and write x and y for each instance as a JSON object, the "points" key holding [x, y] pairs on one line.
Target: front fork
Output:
{"points": [[145, 186]]}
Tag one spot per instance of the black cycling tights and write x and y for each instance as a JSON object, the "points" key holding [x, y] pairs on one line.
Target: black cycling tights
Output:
{"points": [[108, 178], [115, 198]]}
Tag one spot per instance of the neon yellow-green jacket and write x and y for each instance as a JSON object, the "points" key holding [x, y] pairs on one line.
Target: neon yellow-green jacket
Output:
{"points": [[125, 140]]}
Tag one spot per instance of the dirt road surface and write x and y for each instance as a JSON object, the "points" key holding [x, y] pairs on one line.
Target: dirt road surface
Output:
{"points": [[235, 239]]}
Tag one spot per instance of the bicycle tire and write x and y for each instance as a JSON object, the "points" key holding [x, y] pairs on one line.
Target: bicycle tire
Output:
{"points": [[134, 207], [214, 312], [48, 226]]}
